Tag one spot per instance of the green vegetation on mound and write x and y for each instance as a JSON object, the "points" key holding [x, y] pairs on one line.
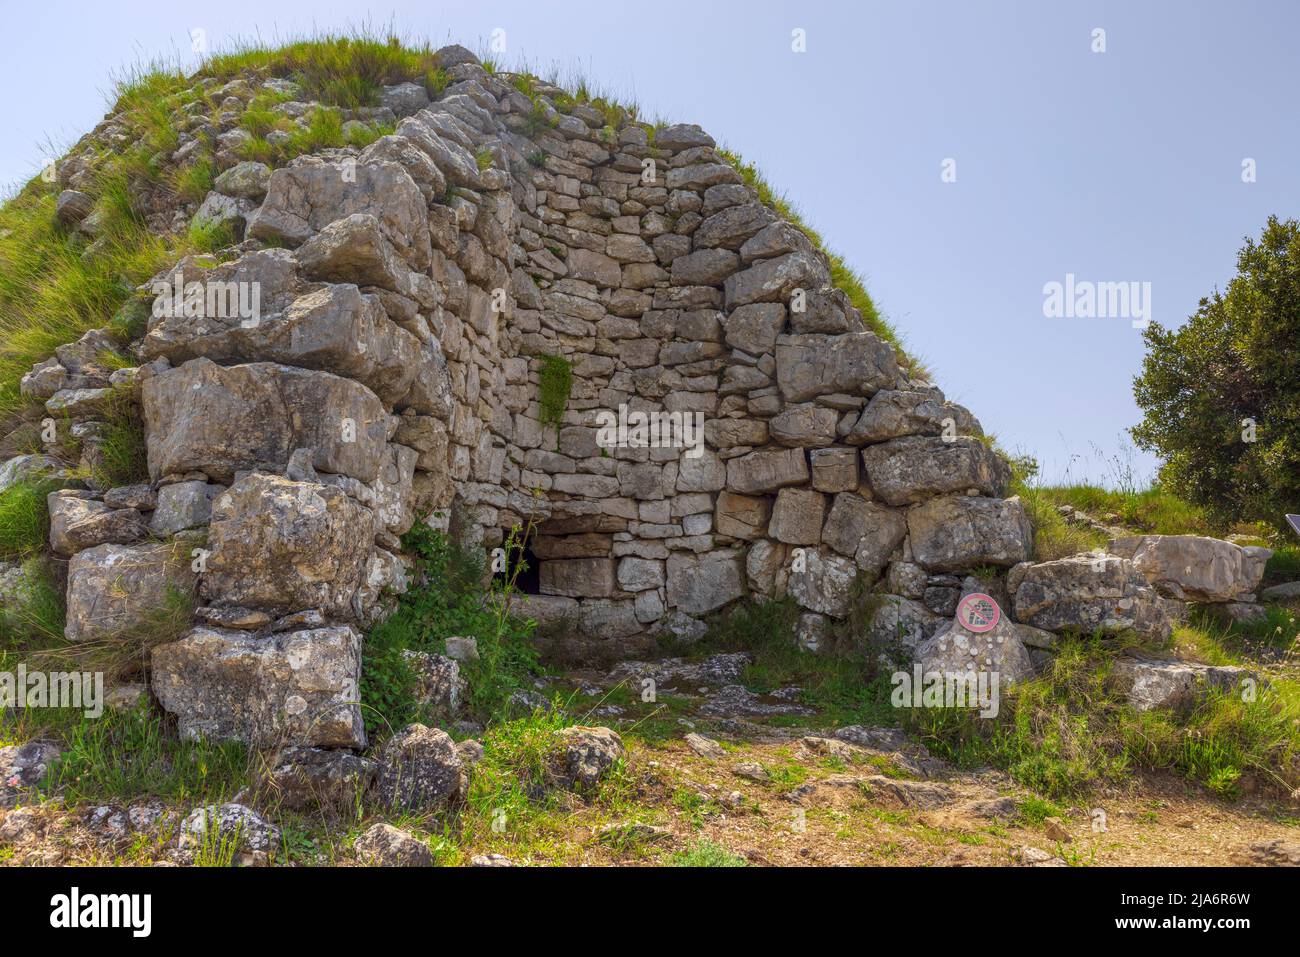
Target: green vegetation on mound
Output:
{"points": [[54, 285]]}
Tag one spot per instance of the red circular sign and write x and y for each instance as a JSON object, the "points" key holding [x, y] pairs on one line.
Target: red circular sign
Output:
{"points": [[978, 613]]}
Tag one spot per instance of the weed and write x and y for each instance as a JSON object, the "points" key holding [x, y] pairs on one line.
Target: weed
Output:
{"points": [[124, 755], [706, 854]]}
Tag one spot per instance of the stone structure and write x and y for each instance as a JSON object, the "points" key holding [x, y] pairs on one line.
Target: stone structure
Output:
{"points": [[371, 355]]}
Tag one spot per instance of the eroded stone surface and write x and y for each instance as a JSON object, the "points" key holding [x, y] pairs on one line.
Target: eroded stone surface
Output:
{"points": [[293, 688]]}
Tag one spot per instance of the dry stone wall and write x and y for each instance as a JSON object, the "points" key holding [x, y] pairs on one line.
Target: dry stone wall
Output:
{"points": [[372, 353]]}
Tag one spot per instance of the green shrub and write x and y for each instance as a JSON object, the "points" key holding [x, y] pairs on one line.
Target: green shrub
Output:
{"points": [[343, 71], [449, 596], [123, 453], [38, 613], [1231, 370], [195, 181], [706, 854], [840, 682], [211, 236], [1065, 733], [1284, 566]]}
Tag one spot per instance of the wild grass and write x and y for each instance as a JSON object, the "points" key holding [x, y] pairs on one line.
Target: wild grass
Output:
{"points": [[24, 518], [126, 653], [346, 71], [50, 294], [513, 786], [194, 181], [1151, 511], [1284, 566], [1054, 537], [129, 755], [706, 853], [217, 848], [840, 682], [36, 614], [1066, 733], [122, 456], [325, 129], [210, 237]]}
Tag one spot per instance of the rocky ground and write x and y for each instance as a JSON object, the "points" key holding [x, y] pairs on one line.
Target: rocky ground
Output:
{"points": [[708, 773]]}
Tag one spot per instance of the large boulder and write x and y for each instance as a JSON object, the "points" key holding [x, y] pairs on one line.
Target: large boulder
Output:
{"points": [[287, 546], [1148, 683], [429, 132], [421, 770], [1088, 593], [315, 777], [383, 845], [233, 823], [78, 523], [742, 516], [206, 308], [893, 414], [589, 754], [855, 363], [334, 328], [699, 584], [821, 581], [770, 280], [29, 467], [23, 768], [116, 589], [898, 626], [354, 250], [912, 469], [310, 193], [767, 470], [797, 516], [957, 532], [219, 420], [1194, 567], [953, 649], [296, 688], [864, 530]]}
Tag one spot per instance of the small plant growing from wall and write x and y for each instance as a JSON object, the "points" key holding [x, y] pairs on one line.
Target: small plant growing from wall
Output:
{"points": [[554, 386]]}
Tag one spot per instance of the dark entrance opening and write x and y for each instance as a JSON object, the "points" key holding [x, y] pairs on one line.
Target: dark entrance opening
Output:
{"points": [[529, 581]]}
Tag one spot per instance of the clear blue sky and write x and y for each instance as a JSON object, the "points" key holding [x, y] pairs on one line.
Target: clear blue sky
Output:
{"points": [[1118, 166]]}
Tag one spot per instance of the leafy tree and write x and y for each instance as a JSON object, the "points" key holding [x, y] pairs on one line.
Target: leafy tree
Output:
{"points": [[1221, 394]]}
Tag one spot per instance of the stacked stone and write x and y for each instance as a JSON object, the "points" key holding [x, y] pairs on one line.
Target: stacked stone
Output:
{"points": [[408, 294]]}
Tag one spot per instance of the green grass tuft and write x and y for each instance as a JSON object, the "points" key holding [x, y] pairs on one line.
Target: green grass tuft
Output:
{"points": [[24, 518], [124, 756], [706, 853]]}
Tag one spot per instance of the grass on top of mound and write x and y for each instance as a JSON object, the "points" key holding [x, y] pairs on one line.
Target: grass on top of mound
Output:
{"points": [[345, 71], [53, 287]]}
